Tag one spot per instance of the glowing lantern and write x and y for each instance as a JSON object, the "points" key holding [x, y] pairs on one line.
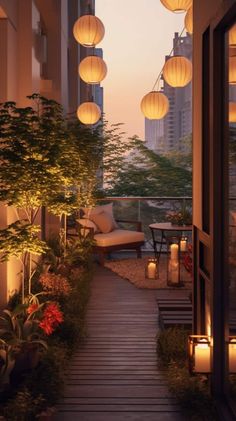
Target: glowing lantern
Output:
{"points": [[199, 353], [177, 71], [92, 69], [88, 113], [155, 105], [188, 20], [232, 70], [232, 36], [232, 112], [177, 6], [88, 30]]}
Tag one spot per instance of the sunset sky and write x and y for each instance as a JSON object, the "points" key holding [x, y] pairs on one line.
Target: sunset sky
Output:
{"points": [[138, 35]]}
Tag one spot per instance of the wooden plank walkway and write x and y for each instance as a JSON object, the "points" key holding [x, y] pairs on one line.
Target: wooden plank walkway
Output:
{"points": [[114, 377]]}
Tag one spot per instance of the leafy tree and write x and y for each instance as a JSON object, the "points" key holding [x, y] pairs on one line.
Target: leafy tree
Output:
{"points": [[147, 174]]}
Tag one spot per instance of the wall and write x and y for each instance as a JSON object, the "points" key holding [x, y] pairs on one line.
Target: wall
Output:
{"points": [[203, 11]]}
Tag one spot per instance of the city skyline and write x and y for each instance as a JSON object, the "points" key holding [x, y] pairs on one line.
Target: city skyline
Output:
{"points": [[134, 58]]}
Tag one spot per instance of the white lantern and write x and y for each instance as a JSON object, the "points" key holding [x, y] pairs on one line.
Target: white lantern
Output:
{"points": [[177, 71], [88, 113], [155, 105], [177, 6], [232, 112], [92, 69], [188, 20], [232, 36], [88, 30], [232, 70]]}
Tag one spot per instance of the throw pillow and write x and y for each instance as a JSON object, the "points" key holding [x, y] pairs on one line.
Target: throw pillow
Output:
{"points": [[104, 221], [98, 209], [87, 223]]}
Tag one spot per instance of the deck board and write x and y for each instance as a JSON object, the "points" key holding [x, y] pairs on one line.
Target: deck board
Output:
{"points": [[115, 376]]}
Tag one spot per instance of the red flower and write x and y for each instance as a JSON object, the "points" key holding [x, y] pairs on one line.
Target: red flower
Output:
{"points": [[32, 308], [53, 313], [46, 327], [52, 317]]}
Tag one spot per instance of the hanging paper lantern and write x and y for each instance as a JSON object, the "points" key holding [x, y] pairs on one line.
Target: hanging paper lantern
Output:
{"points": [[232, 112], [188, 20], [177, 71], [92, 69], [177, 6], [88, 113], [232, 36], [232, 70], [88, 30], [155, 105]]}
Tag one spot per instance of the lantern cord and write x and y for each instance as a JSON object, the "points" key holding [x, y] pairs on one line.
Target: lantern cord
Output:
{"points": [[159, 76]]}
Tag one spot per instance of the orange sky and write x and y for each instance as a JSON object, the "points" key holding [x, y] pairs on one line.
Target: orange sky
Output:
{"points": [[138, 36]]}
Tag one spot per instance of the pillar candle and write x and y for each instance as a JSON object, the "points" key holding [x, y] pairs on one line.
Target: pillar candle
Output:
{"points": [[151, 270], [183, 245], [232, 357], [174, 250], [202, 358]]}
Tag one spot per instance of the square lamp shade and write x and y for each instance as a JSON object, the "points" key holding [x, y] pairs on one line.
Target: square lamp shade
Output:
{"points": [[199, 354]]}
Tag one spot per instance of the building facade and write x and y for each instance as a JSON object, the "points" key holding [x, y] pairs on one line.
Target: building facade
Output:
{"points": [[214, 205], [39, 55]]}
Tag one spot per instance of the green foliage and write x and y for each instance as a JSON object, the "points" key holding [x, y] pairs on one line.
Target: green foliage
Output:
{"points": [[18, 238], [148, 174], [172, 345], [23, 407], [192, 392]]}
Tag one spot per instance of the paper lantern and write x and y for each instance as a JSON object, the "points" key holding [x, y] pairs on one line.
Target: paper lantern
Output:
{"points": [[177, 6], [155, 105], [232, 36], [232, 70], [88, 30], [188, 20], [92, 69], [177, 71], [88, 113], [232, 112]]}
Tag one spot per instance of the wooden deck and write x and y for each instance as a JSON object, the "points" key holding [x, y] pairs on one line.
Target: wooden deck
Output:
{"points": [[114, 377]]}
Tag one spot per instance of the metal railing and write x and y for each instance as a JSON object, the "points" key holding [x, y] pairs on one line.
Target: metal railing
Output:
{"points": [[148, 210]]}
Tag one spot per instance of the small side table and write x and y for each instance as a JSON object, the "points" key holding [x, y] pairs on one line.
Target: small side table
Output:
{"points": [[161, 231]]}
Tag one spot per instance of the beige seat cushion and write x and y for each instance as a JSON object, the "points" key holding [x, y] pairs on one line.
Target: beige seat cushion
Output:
{"points": [[118, 237]]}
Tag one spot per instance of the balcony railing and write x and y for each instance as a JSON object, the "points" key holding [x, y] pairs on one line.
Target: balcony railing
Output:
{"points": [[148, 210]]}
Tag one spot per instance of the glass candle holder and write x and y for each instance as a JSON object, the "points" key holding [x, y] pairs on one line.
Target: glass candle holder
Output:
{"points": [[151, 269], [173, 261], [199, 354]]}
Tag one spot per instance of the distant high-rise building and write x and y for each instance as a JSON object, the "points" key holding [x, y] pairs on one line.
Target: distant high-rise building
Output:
{"points": [[166, 135], [97, 90]]}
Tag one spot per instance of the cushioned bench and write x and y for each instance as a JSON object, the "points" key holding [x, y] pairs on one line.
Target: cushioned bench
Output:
{"points": [[107, 233]]}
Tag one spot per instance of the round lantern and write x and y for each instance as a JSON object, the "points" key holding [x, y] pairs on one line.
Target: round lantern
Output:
{"points": [[232, 70], [232, 112], [92, 69], [188, 20], [232, 36], [177, 6], [155, 105], [88, 113], [177, 71], [88, 30]]}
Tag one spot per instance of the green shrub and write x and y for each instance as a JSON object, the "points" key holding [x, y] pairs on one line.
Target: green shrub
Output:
{"points": [[48, 379], [172, 345], [23, 407], [192, 392]]}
